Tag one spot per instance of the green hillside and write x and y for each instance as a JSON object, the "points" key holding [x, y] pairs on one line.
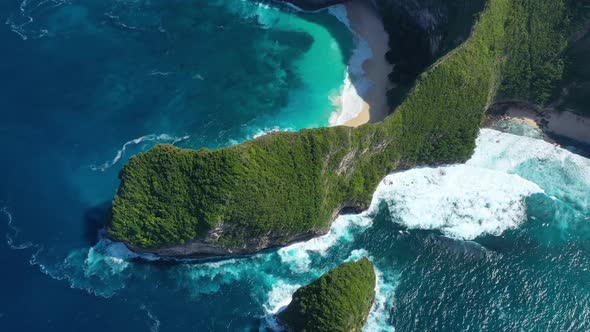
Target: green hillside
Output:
{"points": [[267, 191], [340, 300]]}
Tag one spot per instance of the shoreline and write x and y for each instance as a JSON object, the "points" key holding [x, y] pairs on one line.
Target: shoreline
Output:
{"points": [[553, 124], [371, 76], [366, 25]]}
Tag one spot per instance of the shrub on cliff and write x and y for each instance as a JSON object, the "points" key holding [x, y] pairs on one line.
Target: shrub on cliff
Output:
{"points": [[340, 300]]}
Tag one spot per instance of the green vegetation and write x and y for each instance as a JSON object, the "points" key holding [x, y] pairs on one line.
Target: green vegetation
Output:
{"points": [[340, 300], [536, 39], [417, 38], [270, 190]]}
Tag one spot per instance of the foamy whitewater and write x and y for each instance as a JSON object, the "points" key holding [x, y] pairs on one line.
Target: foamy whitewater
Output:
{"points": [[485, 196], [462, 201], [349, 101]]}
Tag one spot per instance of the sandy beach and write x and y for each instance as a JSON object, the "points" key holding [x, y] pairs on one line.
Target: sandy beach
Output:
{"points": [[366, 23], [566, 124]]}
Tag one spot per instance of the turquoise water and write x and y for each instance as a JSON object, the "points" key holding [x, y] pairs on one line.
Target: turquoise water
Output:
{"points": [[499, 243]]}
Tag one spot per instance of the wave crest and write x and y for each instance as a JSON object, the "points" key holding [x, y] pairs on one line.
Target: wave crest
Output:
{"points": [[162, 138]]}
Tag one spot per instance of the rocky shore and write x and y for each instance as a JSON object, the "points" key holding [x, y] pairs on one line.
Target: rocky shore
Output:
{"points": [[559, 127], [205, 249]]}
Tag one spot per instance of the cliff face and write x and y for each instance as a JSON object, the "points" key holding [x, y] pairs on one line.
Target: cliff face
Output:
{"points": [[421, 32], [445, 23]]}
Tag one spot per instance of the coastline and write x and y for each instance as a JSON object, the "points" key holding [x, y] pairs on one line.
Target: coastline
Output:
{"points": [[367, 26], [365, 100], [551, 122]]}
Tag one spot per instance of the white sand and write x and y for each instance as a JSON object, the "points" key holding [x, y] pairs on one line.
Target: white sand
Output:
{"points": [[565, 124], [365, 22]]}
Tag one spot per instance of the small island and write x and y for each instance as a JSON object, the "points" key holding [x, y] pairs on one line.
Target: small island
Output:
{"points": [[340, 300]]}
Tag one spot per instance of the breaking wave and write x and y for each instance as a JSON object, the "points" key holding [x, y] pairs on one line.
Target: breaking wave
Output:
{"points": [[297, 256], [163, 138], [487, 194], [462, 201], [561, 173], [349, 101]]}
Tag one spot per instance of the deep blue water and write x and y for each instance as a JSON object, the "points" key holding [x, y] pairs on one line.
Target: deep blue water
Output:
{"points": [[499, 243], [85, 81]]}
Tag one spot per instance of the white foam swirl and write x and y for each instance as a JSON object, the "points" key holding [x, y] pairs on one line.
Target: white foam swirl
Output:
{"points": [[155, 322], [297, 255], [162, 138], [13, 232]]}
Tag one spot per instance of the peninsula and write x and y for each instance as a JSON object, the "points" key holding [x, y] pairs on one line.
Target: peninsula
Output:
{"points": [[287, 187]]}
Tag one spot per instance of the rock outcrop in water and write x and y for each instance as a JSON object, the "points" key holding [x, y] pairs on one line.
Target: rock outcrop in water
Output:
{"points": [[340, 300], [287, 187]]}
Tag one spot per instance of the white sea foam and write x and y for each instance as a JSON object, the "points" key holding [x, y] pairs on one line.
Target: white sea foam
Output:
{"points": [[297, 255], [99, 261], [349, 102], [357, 254], [255, 132], [155, 322], [89, 269], [266, 131], [19, 22], [102, 270], [162, 138], [506, 152], [378, 319], [208, 278], [118, 251], [561, 173], [280, 296], [487, 194], [265, 14], [13, 232], [460, 200], [339, 11]]}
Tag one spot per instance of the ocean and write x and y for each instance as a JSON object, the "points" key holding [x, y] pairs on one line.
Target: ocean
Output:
{"points": [[499, 243]]}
